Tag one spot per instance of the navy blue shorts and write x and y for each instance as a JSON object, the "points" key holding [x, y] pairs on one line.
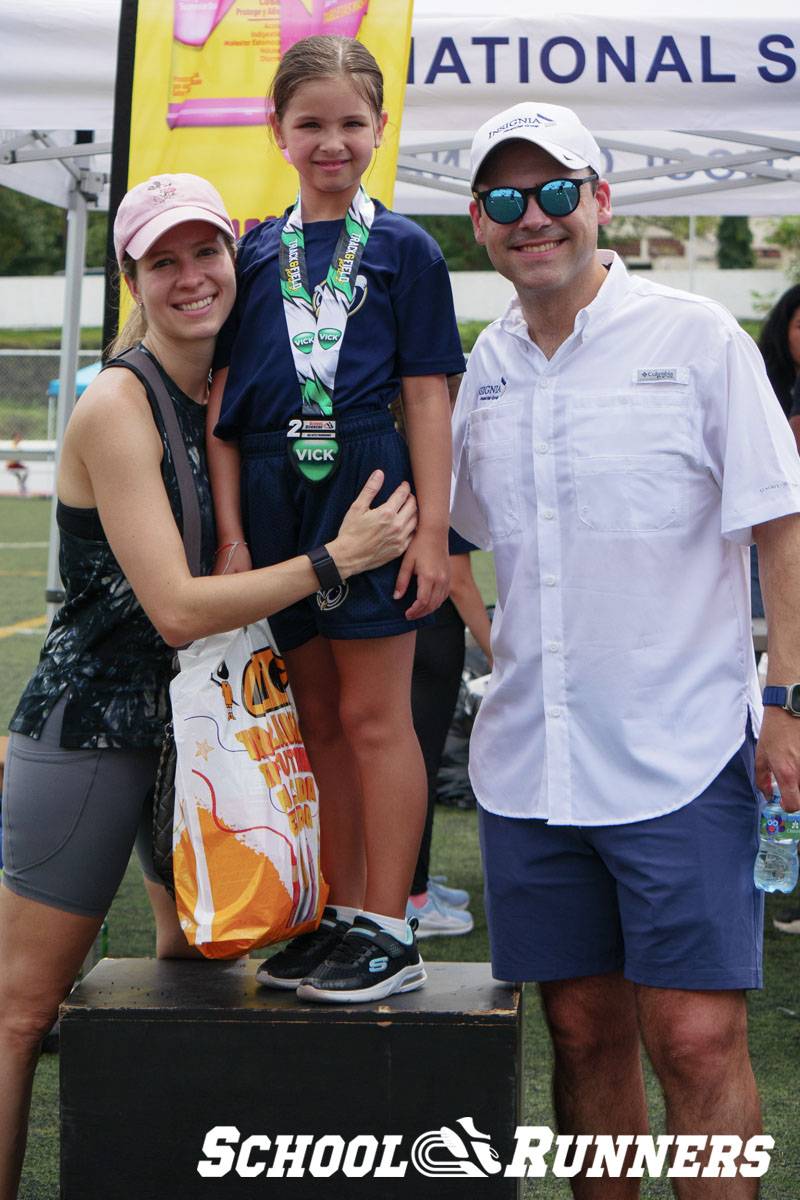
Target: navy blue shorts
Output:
{"points": [[285, 517], [669, 901]]}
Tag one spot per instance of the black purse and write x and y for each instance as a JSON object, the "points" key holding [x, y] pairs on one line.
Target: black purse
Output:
{"points": [[164, 786], [164, 811]]}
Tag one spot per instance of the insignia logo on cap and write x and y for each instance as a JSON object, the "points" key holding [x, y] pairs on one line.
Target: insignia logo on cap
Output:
{"points": [[522, 123]]}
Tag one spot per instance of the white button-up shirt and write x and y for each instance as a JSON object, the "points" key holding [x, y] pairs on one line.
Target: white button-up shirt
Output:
{"points": [[617, 484]]}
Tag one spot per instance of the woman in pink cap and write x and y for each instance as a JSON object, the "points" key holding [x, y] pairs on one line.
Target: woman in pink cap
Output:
{"points": [[86, 733]]}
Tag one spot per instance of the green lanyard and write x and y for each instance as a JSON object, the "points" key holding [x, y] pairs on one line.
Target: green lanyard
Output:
{"points": [[316, 331]]}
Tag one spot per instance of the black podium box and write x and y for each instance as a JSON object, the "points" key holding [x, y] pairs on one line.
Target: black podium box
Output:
{"points": [[187, 1080]]}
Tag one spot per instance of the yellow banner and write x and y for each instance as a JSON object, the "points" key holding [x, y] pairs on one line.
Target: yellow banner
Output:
{"points": [[202, 72]]}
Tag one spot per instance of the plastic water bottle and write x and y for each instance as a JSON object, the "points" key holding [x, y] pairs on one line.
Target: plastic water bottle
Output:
{"points": [[776, 867]]}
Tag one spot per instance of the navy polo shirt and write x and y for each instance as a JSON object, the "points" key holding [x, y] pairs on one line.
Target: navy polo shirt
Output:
{"points": [[402, 322]]}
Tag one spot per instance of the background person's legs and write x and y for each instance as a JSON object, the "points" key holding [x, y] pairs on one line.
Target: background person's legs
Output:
{"points": [[435, 680]]}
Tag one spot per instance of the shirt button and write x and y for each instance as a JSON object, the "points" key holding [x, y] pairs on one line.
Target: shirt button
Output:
{"points": [[553, 647], [555, 711], [548, 514], [550, 580], [543, 447], [545, 383]]}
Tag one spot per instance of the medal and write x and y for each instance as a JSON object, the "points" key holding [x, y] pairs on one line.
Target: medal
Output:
{"points": [[316, 330], [313, 449]]}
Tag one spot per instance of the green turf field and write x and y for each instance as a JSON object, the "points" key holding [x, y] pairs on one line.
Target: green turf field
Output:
{"points": [[774, 1012]]}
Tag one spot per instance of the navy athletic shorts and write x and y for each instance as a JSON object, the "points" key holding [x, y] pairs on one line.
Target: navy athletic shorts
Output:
{"points": [[285, 517], [669, 901]]}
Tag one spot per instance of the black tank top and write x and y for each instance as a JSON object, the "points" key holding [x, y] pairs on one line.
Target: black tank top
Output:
{"points": [[102, 650]]}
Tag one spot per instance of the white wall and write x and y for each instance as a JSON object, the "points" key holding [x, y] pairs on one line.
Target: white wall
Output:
{"points": [[483, 296], [37, 302]]}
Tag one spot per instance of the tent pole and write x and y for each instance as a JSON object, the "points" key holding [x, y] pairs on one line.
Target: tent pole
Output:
{"points": [[77, 221]]}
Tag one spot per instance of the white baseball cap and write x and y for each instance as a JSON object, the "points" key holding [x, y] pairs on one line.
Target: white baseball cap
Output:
{"points": [[550, 126]]}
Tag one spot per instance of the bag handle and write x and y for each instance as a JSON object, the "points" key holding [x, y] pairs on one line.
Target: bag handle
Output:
{"points": [[140, 362]]}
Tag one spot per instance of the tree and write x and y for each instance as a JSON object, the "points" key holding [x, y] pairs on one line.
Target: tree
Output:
{"points": [[96, 236], [786, 233], [623, 227], [456, 240], [734, 244], [679, 226], [34, 236]]}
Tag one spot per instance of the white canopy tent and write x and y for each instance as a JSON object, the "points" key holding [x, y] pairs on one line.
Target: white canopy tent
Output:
{"points": [[57, 70], [696, 106]]}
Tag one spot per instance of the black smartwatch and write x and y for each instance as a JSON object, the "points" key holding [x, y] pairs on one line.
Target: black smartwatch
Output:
{"points": [[327, 571], [784, 697]]}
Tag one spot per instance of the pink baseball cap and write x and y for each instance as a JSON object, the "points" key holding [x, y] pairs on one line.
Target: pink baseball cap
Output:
{"points": [[161, 202]]}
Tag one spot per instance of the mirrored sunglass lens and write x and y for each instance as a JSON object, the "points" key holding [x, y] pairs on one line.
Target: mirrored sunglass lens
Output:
{"points": [[559, 197], [504, 205]]}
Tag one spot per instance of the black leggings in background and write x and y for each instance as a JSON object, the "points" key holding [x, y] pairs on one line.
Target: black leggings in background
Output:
{"points": [[438, 663]]}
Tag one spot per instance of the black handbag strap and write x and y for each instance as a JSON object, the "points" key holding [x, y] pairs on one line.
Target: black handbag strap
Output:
{"points": [[140, 362]]}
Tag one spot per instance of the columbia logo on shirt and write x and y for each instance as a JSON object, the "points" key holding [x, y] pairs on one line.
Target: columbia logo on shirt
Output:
{"points": [[656, 375]]}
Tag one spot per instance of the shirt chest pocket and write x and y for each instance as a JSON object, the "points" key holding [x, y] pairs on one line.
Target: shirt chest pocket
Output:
{"points": [[631, 458], [631, 493], [494, 467]]}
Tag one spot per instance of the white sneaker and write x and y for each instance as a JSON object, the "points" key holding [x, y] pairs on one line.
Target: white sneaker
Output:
{"points": [[436, 918], [449, 896]]}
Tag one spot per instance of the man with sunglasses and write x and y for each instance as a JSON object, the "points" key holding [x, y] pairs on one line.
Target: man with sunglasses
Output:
{"points": [[617, 445]]}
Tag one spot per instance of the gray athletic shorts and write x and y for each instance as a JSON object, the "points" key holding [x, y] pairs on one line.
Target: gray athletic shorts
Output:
{"points": [[71, 819]]}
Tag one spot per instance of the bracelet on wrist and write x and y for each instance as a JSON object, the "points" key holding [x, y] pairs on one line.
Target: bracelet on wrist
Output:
{"points": [[231, 548]]}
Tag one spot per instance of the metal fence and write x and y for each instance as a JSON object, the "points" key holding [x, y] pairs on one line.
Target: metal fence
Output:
{"points": [[29, 392]]}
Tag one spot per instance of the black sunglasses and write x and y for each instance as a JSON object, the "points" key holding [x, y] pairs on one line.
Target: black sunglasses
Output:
{"points": [[557, 198]]}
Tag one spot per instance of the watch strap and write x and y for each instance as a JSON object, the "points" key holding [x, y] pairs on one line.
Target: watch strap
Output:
{"points": [[326, 570], [782, 697]]}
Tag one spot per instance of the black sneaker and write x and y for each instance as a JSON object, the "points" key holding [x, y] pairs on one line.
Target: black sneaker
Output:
{"points": [[368, 964], [787, 920], [303, 954]]}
